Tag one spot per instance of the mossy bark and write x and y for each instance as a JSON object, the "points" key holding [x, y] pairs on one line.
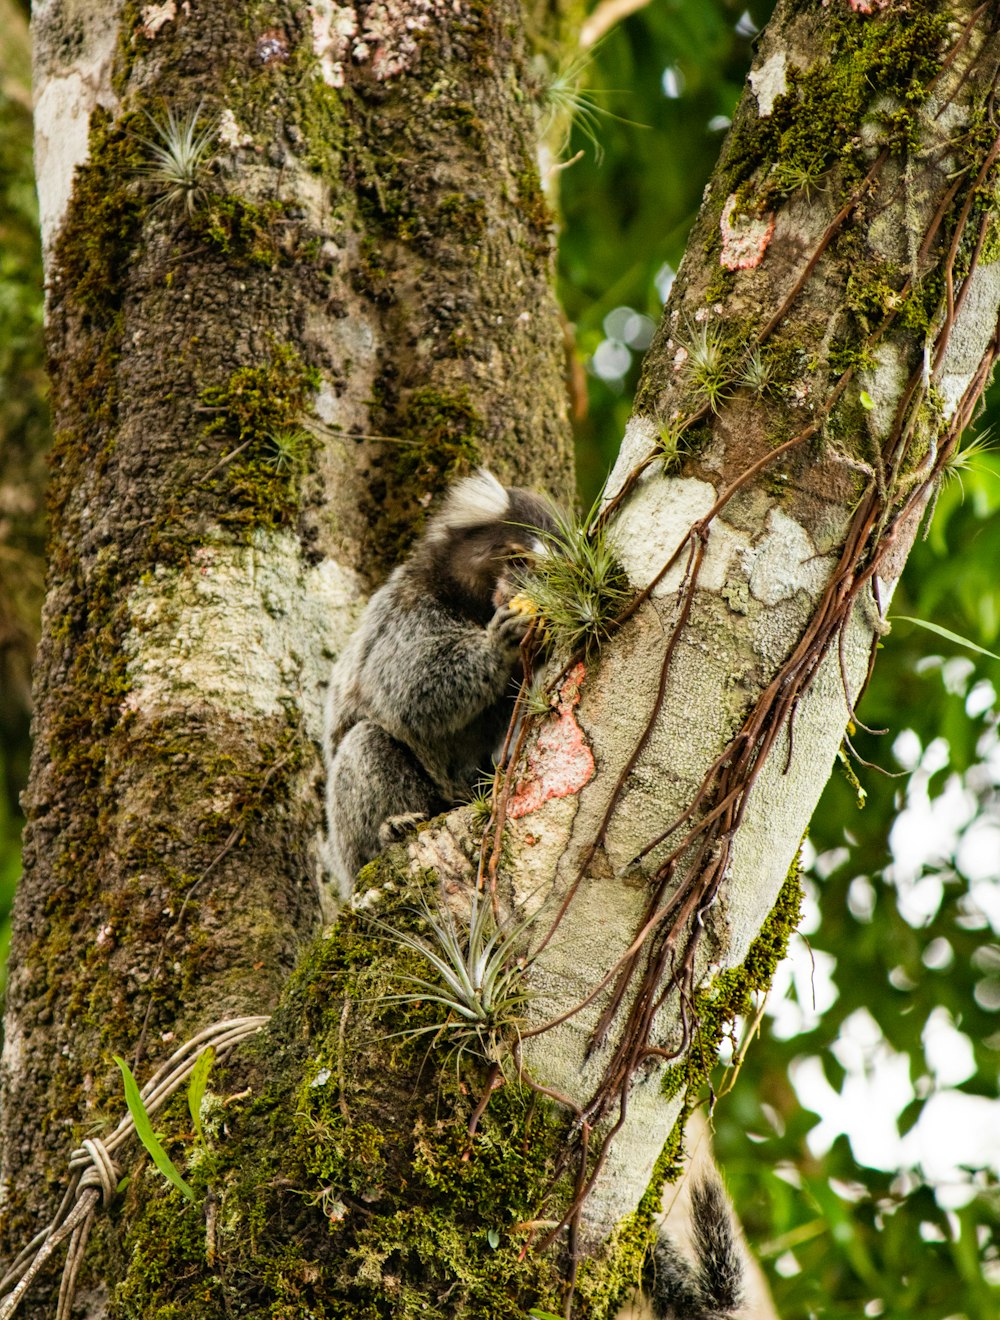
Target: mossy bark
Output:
{"points": [[260, 378], [338, 1176]]}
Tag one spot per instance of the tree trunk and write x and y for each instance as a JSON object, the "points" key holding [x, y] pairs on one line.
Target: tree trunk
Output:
{"points": [[826, 341], [260, 380]]}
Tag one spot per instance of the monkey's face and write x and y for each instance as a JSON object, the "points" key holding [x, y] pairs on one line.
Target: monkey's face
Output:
{"points": [[479, 563], [522, 538], [490, 562]]}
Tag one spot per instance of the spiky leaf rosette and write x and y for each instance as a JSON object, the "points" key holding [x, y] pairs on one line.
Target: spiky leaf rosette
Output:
{"points": [[578, 587]]}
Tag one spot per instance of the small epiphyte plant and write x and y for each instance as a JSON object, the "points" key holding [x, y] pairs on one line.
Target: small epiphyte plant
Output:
{"points": [[144, 1130], [578, 586], [287, 450], [539, 701], [178, 158], [791, 177], [564, 100], [670, 442], [757, 373], [481, 804], [709, 364], [475, 976], [968, 459]]}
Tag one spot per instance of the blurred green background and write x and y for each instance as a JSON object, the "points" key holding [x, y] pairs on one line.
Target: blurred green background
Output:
{"points": [[861, 1140]]}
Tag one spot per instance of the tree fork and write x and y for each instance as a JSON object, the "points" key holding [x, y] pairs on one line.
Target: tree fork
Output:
{"points": [[827, 338]]}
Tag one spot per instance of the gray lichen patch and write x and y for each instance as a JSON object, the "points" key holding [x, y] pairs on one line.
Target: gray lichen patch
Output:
{"points": [[784, 562], [251, 629]]}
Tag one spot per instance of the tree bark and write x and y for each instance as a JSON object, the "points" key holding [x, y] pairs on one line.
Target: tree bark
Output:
{"points": [[826, 341], [363, 277]]}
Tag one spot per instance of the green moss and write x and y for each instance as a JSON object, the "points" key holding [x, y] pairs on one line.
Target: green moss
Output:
{"points": [[128, 46], [371, 275], [731, 992], [365, 1197], [537, 213], [247, 234], [462, 216], [255, 407], [102, 225], [176, 1244], [604, 1284], [991, 242], [440, 433], [319, 114], [815, 124]]}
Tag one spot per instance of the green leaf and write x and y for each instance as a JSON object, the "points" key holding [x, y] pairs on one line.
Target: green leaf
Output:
{"points": [[947, 635], [866, 400], [196, 1088], [539, 1314], [493, 1238], [145, 1133]]}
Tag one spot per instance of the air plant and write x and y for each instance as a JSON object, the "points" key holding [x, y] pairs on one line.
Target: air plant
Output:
{"points": [[286, 450], [966, 460], [475, 976], [757, 372], [789, 177], [578, 587], [670, 442], [563, 98], [178, 157], [481, 804], [708, 364]]}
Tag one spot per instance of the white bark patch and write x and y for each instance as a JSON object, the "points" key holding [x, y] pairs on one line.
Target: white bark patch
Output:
{"points": [[74, 46], [745, 239], [249, 628], [62, 127], [230, 133], [658, 519], [769, 82], [970, 335], [385, 37], [12, 1062], [640, 438], [539, 843], [785, 561], [884, 385], [787, 792]]}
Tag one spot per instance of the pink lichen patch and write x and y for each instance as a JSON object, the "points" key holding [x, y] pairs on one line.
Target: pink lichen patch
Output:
{"points": [[155, 17], [745, 241], [559, 761], [384, 37], [272, 47], [869, 6]]}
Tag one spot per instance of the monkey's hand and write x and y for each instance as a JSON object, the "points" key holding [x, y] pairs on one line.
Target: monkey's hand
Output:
{"points": [[395, 828], [508, 628]]}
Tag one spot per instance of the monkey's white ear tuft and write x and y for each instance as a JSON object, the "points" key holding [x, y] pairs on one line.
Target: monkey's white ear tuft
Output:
{"points": [[475, 500]]}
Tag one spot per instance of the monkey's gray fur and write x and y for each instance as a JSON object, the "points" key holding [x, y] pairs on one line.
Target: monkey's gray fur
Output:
{"points": [[712, 1287], [422, 695]]}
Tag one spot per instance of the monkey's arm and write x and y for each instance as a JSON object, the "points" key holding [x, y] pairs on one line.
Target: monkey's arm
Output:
{"points": [[431, 673]]}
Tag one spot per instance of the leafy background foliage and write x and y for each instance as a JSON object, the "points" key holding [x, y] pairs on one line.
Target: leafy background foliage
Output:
{"points": [[898, 940]]}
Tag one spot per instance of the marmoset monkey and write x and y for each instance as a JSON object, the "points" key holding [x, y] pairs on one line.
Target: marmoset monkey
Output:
{"points": [[422, 695]]}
